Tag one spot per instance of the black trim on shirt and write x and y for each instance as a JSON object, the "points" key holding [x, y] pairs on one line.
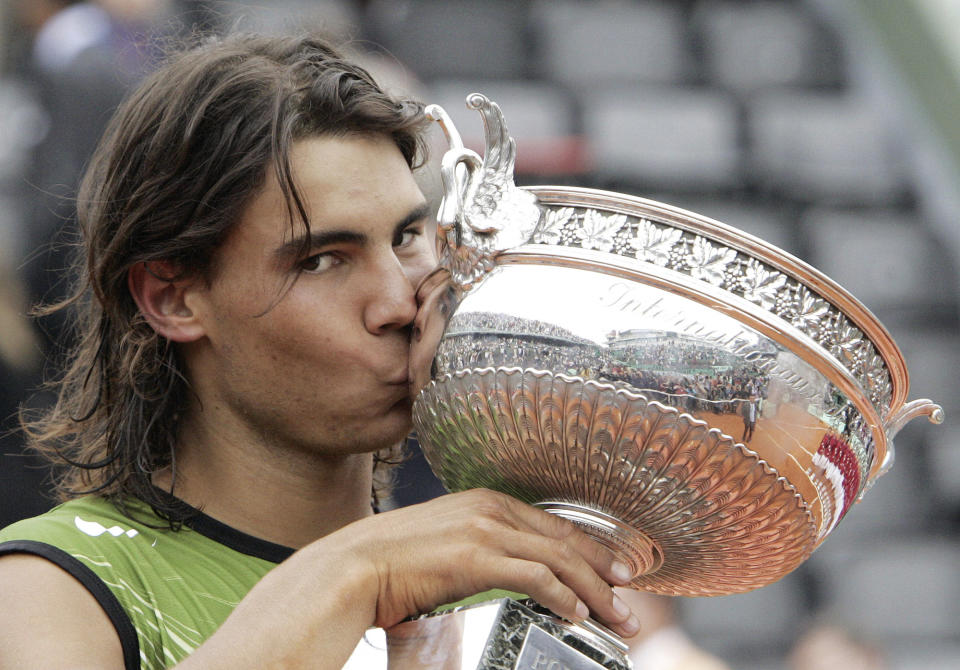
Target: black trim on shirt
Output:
{"points": [[228, 536], [129, 641], [237, 539]]}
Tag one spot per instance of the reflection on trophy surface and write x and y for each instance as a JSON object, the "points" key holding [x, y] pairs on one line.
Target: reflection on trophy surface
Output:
{"points": [[702, 403]]}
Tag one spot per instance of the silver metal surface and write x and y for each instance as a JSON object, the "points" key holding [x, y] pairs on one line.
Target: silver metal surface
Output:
{"points": [[699, 401]]}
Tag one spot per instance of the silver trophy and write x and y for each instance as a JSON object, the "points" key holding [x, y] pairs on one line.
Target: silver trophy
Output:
{"points": [[702, 403]]}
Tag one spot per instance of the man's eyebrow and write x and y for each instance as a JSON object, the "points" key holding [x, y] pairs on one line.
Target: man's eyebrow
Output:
{"points": [[420, 212], [317, 240], [320, 239]]}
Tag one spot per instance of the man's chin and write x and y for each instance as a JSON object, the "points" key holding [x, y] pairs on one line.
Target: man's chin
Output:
{"points": [[371, 434], [398, 424]]}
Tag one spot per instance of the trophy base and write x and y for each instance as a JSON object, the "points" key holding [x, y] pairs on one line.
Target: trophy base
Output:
{"points": [[638, 551], [502, 634]]}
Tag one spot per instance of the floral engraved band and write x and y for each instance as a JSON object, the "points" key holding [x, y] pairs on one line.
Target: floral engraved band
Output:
{"points": [[697, 256]]}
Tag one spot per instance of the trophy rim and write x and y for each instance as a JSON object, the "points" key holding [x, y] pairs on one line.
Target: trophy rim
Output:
{"points": [[840, 298]]}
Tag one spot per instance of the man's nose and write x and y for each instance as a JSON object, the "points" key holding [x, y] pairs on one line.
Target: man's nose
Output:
{"points": [[391, 303]]}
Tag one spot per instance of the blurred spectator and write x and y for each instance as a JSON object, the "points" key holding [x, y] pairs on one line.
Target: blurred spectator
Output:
{"points": [[18, 349], [662, 644], [83, 57], [21, 478], [830, 647]]}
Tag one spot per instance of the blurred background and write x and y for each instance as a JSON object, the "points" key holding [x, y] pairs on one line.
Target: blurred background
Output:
{"points": [[827, 127]]}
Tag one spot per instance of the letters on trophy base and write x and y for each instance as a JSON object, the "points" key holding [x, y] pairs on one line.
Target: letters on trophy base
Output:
{"points": [[542, 651]]}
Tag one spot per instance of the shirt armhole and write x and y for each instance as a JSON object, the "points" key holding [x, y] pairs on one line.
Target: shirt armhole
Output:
{"points": [[129, 641]]}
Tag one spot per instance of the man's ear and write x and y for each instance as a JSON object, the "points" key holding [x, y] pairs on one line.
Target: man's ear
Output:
{"points": [[163, 300]]}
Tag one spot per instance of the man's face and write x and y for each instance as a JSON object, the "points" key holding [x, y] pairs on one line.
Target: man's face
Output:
{"points": [[323, 365]]}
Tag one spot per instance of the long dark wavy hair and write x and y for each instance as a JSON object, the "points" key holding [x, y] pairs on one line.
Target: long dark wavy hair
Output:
{"points": [[181, 158]]}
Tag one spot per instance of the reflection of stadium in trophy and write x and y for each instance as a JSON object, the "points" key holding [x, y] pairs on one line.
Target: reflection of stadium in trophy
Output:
{"points": [[675, 369], [482, 339], [681, 371]]}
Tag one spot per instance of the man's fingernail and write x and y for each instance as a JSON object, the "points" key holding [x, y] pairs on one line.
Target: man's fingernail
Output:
{"points": [[620, 607], [621, 571], [631, 626], [582, 610]]}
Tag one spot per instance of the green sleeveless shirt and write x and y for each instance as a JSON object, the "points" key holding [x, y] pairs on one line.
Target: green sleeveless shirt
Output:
{"points": [[165, 591]]}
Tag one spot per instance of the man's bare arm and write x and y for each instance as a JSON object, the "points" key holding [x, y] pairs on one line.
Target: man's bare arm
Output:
{"points": [[311, 610], [50, 620]]}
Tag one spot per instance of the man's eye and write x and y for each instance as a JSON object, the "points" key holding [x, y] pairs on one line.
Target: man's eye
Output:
{"points": [[407, 237], [318, 263]]}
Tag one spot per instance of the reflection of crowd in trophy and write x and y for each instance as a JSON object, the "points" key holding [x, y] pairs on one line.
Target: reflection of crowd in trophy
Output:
{"points": [[726, 392], [679, 371], [672, 353], [492, 349], [481, 322], [689, 374], [481, 339]]}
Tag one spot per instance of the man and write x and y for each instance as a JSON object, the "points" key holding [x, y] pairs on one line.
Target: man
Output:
{"points": [[748, 411], [253, 238]]}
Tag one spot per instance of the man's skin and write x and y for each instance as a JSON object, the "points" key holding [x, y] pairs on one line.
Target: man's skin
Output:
{"points": [[299, 369]]}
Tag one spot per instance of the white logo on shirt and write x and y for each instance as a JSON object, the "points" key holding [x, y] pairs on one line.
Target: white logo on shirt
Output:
{"points": [[96, 529]]}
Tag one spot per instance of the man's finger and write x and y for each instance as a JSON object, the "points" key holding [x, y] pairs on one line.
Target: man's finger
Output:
{"points": [[568, 566], [600, 558]]}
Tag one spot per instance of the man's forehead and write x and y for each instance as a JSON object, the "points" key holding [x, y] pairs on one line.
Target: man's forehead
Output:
{"points": [[356, 183]]}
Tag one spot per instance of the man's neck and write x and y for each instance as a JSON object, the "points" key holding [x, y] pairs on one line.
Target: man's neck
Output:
{"points": [[286, 497]]}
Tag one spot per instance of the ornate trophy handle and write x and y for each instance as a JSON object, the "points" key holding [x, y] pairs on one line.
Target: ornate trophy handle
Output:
{"points": [[898, 420], [911, 411], [482, 212], [457, 168]]}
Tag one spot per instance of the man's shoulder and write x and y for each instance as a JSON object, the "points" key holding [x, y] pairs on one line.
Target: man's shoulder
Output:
{"points": [[78, 521], [167, 589], [97, 533]]}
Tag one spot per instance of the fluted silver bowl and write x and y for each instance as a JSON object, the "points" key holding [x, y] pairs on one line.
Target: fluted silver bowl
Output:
{"points": [[698, 400]]}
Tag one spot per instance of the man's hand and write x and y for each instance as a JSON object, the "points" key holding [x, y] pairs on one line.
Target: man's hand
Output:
{"points": [[455, 546]]}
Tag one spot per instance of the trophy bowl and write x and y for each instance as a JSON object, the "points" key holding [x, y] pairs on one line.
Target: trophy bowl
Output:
{"points": [[704, 404]]}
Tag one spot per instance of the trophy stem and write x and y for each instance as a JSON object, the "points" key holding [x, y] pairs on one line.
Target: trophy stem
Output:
{"points": [[628, 544]]}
